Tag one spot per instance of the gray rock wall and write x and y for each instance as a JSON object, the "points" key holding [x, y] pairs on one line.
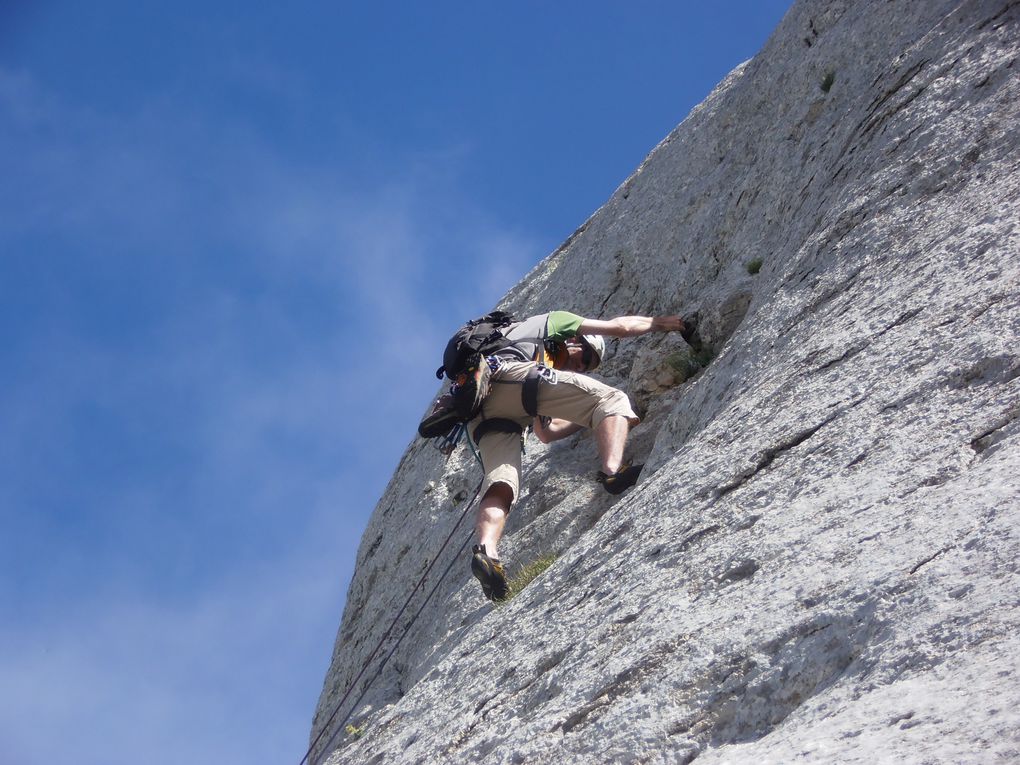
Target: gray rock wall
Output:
{"points": [[820, 562]]}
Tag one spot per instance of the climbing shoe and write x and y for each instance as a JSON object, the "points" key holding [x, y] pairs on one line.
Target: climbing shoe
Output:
{"points": [[621, 480], [441, 420], [488, 571], [690, 330]]}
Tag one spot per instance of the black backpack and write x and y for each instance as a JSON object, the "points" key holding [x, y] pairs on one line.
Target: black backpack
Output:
{"points": [[465, 364], [482, 336]]}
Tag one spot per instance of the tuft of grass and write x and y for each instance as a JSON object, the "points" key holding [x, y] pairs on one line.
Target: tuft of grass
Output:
{"points": [[827, 81], [684, 365], [687, 363], [354, 731], [528, 573], [754, 266]]}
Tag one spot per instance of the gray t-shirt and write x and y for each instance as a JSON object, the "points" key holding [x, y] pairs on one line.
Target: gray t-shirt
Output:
{"points": [[530, 335]]}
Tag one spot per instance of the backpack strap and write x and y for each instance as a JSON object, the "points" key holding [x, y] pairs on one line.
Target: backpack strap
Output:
{"points": [[529, 392], [511, 349]]}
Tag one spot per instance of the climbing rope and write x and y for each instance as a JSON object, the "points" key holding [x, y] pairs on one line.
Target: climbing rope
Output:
{"points": [[407, 627]]}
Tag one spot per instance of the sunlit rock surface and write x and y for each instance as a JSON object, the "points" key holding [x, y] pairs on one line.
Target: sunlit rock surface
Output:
{"points": [[820, 563]]}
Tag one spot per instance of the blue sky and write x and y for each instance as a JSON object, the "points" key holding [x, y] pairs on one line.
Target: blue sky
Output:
{"points": [[226, 229]]}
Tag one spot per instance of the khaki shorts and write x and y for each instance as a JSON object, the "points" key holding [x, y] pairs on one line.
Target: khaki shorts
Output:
{"points": [[574, 397]]}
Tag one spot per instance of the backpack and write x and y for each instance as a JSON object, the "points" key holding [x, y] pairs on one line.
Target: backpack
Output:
{"points": [[480, 335], [465, 364]]}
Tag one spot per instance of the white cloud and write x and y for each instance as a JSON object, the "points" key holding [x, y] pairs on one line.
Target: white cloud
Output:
{"points": [[206, 681], [289, 379]]}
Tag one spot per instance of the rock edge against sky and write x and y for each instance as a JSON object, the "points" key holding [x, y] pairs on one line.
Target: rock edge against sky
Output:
{"points": [[820, 561]]}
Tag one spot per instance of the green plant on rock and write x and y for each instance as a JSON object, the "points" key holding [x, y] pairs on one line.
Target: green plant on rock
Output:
{"points": [[827, 81], [683, 364], [354, 731], [754, 266], [528, 573], [687, 363]]}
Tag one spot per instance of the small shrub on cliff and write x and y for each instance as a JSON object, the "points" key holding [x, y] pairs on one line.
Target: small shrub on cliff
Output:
{"points": [[686, 364], [754, 266], [527, 574], [827, 81]]}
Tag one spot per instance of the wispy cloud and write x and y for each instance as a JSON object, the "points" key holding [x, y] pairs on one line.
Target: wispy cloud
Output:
{"points": [[128, 680], [225, 352]]}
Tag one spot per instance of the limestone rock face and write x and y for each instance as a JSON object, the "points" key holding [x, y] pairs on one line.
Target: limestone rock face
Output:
{"points": [[820, 562]]}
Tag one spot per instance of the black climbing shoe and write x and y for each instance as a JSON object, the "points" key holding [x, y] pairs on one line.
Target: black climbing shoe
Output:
{"points": [[441, 420], [488, 571], [690, 331], [621, 480]]}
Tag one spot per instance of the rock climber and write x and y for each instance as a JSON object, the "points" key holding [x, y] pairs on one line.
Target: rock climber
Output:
{"points": [[563, 347]]}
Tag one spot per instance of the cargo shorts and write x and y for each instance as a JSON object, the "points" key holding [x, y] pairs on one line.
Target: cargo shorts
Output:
{"points": [[574, 397]]}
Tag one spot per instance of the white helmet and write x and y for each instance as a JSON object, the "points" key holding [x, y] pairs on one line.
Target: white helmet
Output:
{"points": [[598, 347]]}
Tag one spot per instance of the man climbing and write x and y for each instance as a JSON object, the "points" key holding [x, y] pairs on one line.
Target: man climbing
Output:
{"points": [[539, 380]]}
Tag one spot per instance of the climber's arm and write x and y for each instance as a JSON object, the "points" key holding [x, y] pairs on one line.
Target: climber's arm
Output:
{"points": [[630, 326], [549, 429]]}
